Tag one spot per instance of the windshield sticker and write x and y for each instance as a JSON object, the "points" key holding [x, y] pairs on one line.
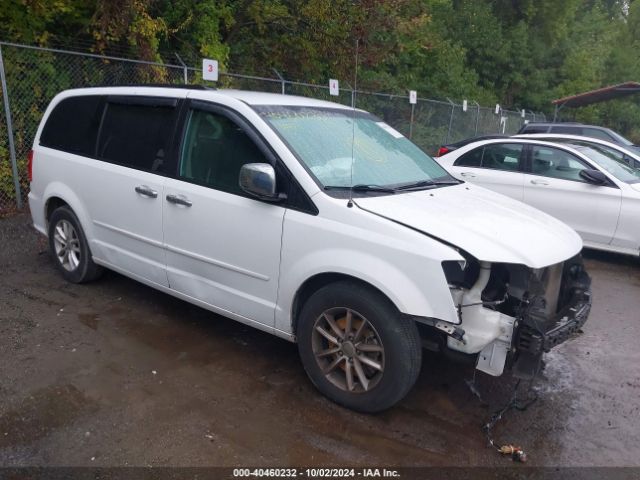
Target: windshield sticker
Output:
{"points": [[390, 130]]}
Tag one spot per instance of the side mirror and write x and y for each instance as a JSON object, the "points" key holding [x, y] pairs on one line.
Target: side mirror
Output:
{"points": [[595, 177], [259, 180]]}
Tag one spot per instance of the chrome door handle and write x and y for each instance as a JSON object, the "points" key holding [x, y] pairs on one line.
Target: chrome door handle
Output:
{"points": [[179, 200], [467, 174], [146, 191], [539, 182]]}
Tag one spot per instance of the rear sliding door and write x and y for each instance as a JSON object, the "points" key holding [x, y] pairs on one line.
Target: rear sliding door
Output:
{"points": [[123, 191]]}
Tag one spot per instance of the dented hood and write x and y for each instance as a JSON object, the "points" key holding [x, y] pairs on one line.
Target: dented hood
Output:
{"points": [[489, 226]]}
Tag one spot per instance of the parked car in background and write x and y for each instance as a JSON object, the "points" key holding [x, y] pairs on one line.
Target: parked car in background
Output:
{"points": [[262, 208], [580, 129], [596, 193], [450, 147], [630, 156]]}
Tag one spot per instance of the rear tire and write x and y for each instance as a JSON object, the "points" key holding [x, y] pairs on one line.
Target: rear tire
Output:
{"points": [[356, 347], [69, 248]]}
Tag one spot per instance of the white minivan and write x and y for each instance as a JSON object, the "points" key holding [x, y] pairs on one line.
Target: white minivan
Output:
{"points": [[309, 220]]}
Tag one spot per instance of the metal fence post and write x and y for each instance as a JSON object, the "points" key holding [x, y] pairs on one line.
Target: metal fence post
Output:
{"points": [[477, 117], [12, 147], [185, 72], [282, 80], [453, 106], [413, 107]]}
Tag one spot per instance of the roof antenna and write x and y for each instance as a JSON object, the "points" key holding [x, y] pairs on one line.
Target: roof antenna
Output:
{"points": [[353, 131]]}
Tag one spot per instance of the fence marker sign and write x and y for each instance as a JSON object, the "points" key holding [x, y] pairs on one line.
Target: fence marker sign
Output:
{"points": [[464, 105], [209, 69], [413, 97], [523, 114], [497, 108], [503, 124], [334, 88]]}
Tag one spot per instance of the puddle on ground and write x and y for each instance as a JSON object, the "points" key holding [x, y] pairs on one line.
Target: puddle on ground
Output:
{"points": [[40, 413], [89, 319]]}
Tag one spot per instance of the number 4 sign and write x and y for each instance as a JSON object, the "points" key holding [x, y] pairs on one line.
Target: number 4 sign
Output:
{"points": [[210, 70]]}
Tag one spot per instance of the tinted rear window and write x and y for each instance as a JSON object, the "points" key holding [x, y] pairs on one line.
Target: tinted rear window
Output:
{"points": [[497, 156], [567, 130], [73, 125], [534, 129], [137, 136], [470, 159]]}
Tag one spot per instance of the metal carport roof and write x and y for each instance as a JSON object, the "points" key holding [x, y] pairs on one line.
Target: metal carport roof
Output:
{"points": [[594, 96], [599, 95]]}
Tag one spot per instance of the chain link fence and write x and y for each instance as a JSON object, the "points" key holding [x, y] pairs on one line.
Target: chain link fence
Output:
{"points": [[32, 76]]}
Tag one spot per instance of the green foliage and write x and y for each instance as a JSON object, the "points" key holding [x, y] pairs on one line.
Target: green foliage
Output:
{"points": [[517, 53], [521, 53]]}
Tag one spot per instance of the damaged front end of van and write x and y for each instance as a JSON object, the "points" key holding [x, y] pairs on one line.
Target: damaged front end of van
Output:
{"points": [[511, 314]]}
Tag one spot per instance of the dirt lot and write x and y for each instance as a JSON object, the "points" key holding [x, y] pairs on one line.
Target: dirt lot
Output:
{"points": [[115, 373]]}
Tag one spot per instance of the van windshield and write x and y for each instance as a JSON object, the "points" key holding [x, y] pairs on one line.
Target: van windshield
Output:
{"points": [[326, 140]]}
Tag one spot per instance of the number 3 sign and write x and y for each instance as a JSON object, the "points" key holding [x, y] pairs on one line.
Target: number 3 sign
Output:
{"points": [[210, 70]]}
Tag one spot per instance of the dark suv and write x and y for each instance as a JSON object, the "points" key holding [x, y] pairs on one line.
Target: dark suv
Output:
{"points": [[577, 129]]}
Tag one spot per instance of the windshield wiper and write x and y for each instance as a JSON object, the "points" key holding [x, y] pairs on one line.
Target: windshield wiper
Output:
{"points": [[427, 183], [362, 188]]}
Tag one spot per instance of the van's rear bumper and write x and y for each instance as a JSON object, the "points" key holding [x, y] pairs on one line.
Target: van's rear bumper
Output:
{"points": [[37, 213]]}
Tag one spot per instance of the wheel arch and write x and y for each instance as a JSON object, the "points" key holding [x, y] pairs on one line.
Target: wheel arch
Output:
{"points": [[51, 205], [58, 194], [320, 280]]}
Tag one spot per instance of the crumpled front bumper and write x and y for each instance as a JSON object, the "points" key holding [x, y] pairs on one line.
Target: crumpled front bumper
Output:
{"points": [[569, 326], [532, 340], [536, 334]]}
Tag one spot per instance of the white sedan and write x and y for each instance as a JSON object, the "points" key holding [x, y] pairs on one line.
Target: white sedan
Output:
{"points": [[630, 155], [592, 190]]}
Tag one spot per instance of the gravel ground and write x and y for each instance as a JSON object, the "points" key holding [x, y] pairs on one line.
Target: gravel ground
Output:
{"points": [[114, 373]]}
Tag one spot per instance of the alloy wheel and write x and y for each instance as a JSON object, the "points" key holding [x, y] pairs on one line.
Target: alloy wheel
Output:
{"points": [[67, 245], [348, 350]]}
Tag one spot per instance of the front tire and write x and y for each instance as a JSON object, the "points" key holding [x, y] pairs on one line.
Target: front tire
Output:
{"points": [[356, 348], [69, 248]]}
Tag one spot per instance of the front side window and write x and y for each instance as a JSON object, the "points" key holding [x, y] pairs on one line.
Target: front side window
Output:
{"points": [[555, 163], [214, 150], [614, 162], [73, 125], [632, 162], [137, 136], [341, 148], [617, 138], [596, 133], [497, 156]]}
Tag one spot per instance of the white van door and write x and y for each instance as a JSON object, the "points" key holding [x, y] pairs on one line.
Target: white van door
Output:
{"points": [[123, 191], [222, 245]]}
